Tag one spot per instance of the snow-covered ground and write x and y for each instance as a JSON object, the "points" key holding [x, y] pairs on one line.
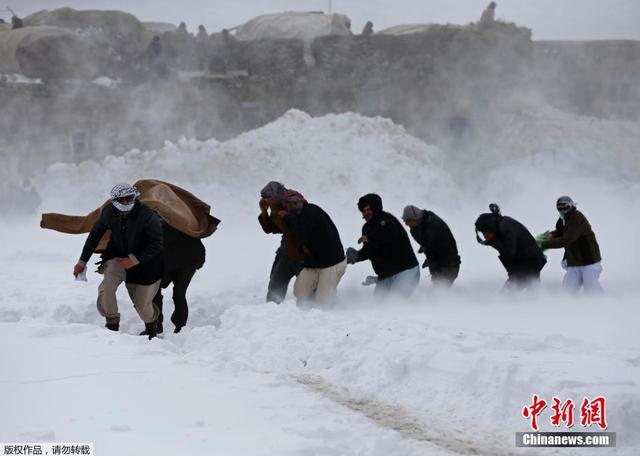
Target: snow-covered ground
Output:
{"points": [[446, 373]]}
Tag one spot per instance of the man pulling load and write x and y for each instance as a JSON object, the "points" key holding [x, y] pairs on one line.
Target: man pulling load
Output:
{"points": [[134, 255]]}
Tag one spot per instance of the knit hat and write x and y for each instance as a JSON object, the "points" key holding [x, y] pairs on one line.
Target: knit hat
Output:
{"points": [[273, 189], [412, 213]]}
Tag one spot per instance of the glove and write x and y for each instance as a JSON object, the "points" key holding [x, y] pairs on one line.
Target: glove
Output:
{"points": [[541, 238], [425, 264], [352, 255], [421, 249]]}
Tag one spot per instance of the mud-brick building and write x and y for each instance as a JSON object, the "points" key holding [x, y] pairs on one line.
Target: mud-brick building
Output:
{"points": [[600, 78]]}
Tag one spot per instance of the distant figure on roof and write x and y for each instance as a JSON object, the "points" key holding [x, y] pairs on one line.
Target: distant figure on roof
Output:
{"points": [[489, 14], [368, 28], [227, 37], [16, 23], [182, 29], [154, 57], [202, 33], [154, 51]]}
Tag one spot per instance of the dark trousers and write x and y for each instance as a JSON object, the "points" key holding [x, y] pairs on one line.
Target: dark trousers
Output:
{"points": [[444, 275], [181, 278], [522, 279], [282, 271]]}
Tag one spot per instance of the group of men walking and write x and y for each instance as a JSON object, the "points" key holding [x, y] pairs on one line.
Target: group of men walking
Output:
{"points": [[311, 249], [148, 254]]}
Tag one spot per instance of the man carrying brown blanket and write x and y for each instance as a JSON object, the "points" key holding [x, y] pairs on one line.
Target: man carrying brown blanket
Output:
{"points": [[185, 220], [133, 255]]}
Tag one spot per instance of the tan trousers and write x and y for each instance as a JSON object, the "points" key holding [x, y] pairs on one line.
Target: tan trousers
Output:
{"points": [[141, 295], [318, 284]]}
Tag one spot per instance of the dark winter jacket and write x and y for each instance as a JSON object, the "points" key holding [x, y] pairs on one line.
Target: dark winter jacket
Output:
{"points": [[139, 233], [388, 246], [437, 242], [318, 236], [519, 252], [274, 224], [180, 250], [577, 238]]}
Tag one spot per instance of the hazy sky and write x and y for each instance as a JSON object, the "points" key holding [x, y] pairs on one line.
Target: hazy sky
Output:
{"points": [[549, 19]]}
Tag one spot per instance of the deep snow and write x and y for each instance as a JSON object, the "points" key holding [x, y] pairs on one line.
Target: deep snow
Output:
{"points": [[447, 373]]}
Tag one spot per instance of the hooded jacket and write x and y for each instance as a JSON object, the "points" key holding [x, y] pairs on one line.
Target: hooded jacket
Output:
{"points": [[519, 252], [138, 232], [388, 246], [575, 235], [318, 236], [437, 242]]}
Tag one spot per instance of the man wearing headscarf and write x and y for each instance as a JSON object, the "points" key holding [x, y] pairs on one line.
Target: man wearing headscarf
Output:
{"points": [[386, 244], [436, 242], [134, 255], [288, 260], [581, 259], [324, 263]]}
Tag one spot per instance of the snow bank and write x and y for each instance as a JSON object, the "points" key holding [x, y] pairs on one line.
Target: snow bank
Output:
{"points": [[322, 157]]}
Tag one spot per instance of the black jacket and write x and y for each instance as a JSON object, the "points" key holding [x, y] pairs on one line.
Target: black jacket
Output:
{"points": [[388, 246], [139, 233], [180, 250], [519, 252], [437, 242], [318, 235]]}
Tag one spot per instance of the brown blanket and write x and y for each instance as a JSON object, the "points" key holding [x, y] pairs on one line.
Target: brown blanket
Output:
{"points": [[179, 208]]}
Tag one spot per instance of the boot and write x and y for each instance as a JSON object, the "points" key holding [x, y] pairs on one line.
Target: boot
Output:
{"points": [[151, 329], [159, 329], [113, 324]]}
